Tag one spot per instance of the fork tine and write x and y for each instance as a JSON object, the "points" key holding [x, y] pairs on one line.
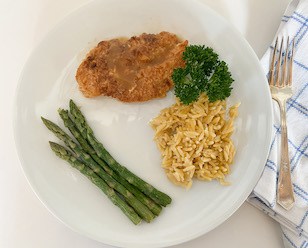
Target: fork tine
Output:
{"points": [[291, 65], [272, 68], [278, 83], [284, 81]]}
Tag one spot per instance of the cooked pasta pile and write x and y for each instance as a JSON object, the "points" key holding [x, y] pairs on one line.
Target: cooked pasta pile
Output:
{"points": [[195, 140]]}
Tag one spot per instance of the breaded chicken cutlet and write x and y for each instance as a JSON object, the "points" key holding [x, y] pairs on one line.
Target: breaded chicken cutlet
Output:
{"points": [[131, 70]]}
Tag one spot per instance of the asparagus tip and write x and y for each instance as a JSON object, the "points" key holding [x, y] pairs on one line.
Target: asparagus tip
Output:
{"points": [[44, 120], [72, 103], [53, 145]]}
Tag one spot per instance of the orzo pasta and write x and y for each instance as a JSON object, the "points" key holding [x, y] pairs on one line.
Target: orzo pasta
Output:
{"points": [[195, 140]]}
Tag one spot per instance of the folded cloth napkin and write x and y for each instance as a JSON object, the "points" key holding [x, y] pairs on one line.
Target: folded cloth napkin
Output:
{"points": [[294, 223]]}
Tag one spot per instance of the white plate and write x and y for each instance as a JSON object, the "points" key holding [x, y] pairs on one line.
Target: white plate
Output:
{"points": [[48, 82]]}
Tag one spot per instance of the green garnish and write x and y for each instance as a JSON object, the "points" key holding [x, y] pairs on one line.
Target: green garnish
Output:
{"points": [[203, 72]]}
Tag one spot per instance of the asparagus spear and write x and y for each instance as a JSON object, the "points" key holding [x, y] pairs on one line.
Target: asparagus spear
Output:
{"points": [[155, 208], [141, 209], [61, 152], [87, 133]]}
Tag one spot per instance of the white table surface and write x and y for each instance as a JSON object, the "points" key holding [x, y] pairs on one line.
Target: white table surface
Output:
{"points": [[24, 221]]}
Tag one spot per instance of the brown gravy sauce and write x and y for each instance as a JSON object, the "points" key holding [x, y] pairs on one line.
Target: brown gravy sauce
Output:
{"points": [[125, 63]]}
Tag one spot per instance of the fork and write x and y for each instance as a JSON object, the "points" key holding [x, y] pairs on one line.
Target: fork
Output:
{"points": [[280, 82]]}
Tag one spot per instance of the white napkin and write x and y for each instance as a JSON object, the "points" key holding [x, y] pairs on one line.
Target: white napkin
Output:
{"points": [[294, 223]]}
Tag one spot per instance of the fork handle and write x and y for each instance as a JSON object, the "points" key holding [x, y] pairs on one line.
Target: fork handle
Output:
{"points": [[285, 195]]}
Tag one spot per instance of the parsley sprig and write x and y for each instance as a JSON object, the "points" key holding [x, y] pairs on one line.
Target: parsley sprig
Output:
{"points": [[203, 72]]}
